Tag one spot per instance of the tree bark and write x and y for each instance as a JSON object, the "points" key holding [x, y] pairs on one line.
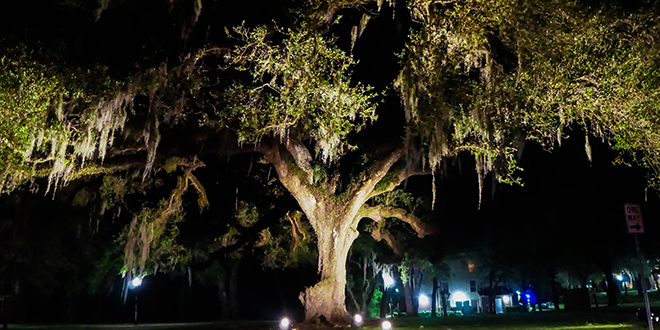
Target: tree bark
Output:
{"points": [[328, 297]]}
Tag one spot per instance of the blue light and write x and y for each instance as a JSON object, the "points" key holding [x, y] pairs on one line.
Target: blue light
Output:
{"points": [[530, 297]]}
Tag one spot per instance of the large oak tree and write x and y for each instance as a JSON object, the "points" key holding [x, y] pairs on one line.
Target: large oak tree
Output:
{"points": [[476, 77]]}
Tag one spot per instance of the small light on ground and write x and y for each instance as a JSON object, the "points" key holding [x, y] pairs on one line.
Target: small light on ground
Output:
{"points": [[136, 282], [386, 325], [357, 319], [285, 323]]}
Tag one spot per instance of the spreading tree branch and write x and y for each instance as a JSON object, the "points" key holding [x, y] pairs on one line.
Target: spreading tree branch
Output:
{"points": [[380, 233], [293, 179], [301, 156], [361, 191], [381, 212], [391, 185]]}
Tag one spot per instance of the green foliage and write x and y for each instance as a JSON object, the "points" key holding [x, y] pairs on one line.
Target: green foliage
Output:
{"points": [[28, 93], [289, 244], [247, 214], [374, 305], [301, 87], [480, 76], [401, 199], [390, 177]]}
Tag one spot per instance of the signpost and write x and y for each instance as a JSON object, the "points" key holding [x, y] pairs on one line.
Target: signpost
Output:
{"points": [[634, 219], [635, 227]]}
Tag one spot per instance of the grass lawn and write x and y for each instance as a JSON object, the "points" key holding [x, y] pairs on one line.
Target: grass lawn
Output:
{"points": [[622, 318], [528, 321]]}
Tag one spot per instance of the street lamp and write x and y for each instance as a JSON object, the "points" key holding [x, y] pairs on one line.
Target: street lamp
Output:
{"points": [[135, 283]]}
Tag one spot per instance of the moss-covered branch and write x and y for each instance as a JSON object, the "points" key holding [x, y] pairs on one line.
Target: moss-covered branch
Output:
{"points": [[301, 156], [380, 213], [292, 177], [359, 193], [394, 178]]}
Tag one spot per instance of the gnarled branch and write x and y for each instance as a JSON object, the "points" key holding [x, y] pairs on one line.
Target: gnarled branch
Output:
{"points": [[294, 181], [379, 233], [361, 191], [381, 212], [403, 175], [301, 156]]}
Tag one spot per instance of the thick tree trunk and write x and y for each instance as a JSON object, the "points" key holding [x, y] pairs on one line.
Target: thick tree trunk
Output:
{"points": [[334, 218], [328, 297]]}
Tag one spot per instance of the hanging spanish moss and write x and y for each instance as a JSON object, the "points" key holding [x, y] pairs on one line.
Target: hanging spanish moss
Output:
{"points": [[152, 232]]}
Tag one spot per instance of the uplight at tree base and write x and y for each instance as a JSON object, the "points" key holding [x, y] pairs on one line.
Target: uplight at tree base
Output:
{"points": [[285, 324], [357, 320], [386, 325]]}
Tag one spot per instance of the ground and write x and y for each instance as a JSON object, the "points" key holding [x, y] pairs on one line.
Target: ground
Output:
{"points": [[622, 318]]}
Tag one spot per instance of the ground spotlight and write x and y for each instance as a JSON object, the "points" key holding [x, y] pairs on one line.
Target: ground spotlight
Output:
{"points": [[386, 325], [285, 324], [357, 320]]}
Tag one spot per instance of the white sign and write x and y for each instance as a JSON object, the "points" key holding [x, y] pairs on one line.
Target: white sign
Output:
{"points": [[634, 219]]}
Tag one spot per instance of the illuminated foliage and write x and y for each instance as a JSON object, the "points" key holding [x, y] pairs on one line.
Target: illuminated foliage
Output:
{"points": [[303, 90], [484, 76]]}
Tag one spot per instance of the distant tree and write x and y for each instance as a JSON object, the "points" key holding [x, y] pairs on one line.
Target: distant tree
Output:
{"points": [[365, 274]]}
